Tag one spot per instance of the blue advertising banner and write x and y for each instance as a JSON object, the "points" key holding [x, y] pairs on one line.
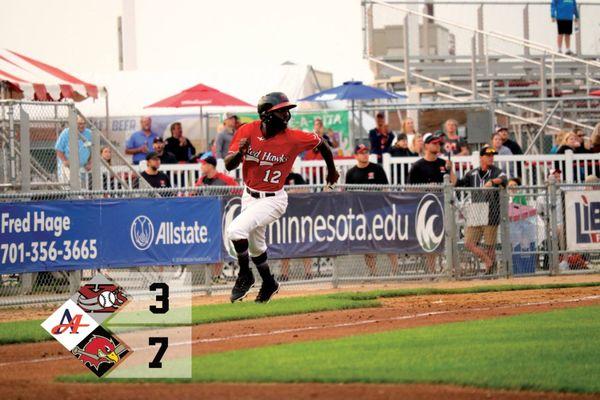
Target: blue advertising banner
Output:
{"points": [[330, 224], [66, 235]]}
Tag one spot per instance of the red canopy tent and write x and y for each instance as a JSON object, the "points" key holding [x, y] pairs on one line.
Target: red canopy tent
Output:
{"points": [[22, 77], [200, 96], [595, 93]]}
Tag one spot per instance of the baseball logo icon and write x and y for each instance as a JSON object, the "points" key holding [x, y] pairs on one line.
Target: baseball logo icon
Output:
{"points": [[107, 299]]}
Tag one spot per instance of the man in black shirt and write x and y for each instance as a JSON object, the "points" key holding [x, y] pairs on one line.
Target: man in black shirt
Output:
{"points": [[165, 156], [178, 145], [365, 172], [483, 214], [511, 144], [430, 168], [155, 178]]}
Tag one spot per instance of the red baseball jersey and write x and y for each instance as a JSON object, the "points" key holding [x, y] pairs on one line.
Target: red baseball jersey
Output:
{"points": [[268, 162]]}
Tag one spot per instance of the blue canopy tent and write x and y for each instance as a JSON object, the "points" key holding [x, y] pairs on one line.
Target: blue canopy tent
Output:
{"points": [[353, 91]]}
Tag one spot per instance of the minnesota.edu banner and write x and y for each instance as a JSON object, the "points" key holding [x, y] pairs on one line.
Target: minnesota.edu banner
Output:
{"points": [[331, 224]]}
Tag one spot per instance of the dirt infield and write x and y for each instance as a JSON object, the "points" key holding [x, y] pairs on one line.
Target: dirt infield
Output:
{"points": [[27, 370]]}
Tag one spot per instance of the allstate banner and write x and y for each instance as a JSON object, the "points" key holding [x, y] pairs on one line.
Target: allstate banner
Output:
{"points": [[582, 220], [66, 235], [329, 224]]}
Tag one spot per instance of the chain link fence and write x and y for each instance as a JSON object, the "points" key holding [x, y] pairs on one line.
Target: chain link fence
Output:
{"points": [[489, 233]]}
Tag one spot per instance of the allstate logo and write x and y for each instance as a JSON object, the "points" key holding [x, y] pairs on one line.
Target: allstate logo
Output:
{"points": [[142, 232], [429, 223], [231, 210]]}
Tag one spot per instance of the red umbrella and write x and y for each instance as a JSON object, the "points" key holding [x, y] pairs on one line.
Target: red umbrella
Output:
{"points": [[199, 96], [595, 92]]}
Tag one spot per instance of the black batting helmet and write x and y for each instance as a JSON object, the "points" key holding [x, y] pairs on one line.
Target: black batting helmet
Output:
{"points": [[273, 101]]}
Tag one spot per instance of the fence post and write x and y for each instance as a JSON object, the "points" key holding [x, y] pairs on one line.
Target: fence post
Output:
{"points": [[553, 231], [406, 55], [335, 278], [449, 229], [208, 278], [569, 178], [96, 164], [12, 157], [25, 152], [506, 245], [74, 178], [74, 280]]}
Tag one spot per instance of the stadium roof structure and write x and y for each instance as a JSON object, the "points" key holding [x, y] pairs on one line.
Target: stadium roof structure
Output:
{"points": [[22, 77]]}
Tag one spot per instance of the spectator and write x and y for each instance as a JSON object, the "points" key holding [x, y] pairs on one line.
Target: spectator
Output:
{"points": [[366, 172], [380, 138], [291, 180], [430, 168], [152, 175], [140, 142], [165, 156], [511, 144], [484, 218], [320, 130], [454, 144], [210, 175], [225, 137], [559, 138], [84, 142], [513, 184], [106, 154], [417, 145], [583, 140], [503, 151], [108, 182], [572, 142], [400, 149], [563, 12], [408, 128], [595, 145], [178, 145]]}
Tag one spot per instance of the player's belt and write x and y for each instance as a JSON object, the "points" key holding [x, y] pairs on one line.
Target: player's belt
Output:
{"points": [[258, 195]]}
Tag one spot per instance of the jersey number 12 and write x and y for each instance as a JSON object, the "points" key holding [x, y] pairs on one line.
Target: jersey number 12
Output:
{"points": [[272, 178]]}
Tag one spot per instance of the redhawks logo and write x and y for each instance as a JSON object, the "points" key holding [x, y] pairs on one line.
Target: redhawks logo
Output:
{"points": [[100, 351]]}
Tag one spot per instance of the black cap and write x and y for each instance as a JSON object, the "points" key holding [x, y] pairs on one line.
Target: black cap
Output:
{"points": [[209, 160], [401, 136], [432, 138], [380, 115], [360, 148], [152, 155], [487, 151], [158, 139]]}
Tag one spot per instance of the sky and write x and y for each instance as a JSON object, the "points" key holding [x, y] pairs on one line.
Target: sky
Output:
{"points": [[81, 35]]}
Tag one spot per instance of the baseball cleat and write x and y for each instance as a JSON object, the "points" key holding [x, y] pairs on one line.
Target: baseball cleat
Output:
{"points": [[267, 290], [242, 286]]}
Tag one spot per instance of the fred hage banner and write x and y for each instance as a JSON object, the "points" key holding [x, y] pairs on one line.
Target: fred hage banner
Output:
{"points": [[332, 224], [66, 235], [582, 220]]}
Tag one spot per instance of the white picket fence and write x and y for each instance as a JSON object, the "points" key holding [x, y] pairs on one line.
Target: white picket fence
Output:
{"points": [[533, 169]]}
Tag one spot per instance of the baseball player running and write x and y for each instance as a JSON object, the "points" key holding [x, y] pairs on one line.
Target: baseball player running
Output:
{"points": [[267, 149]]}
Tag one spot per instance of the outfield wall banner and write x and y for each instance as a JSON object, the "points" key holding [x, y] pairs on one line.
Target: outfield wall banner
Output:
{"points": [[68, 235], [330, 224], [582, 220]]}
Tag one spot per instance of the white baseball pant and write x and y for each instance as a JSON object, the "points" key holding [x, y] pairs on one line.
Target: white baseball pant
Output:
{"points": [[256, 215]]}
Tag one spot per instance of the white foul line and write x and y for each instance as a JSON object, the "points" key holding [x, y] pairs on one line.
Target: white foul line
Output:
{"points": [[315, 327]]}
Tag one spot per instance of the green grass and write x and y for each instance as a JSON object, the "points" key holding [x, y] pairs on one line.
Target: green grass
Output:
{"points": [[553, 351], [31, 331]]}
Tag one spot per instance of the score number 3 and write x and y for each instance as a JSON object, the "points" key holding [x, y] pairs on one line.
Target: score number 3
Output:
{"points": [[272, 178]]}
